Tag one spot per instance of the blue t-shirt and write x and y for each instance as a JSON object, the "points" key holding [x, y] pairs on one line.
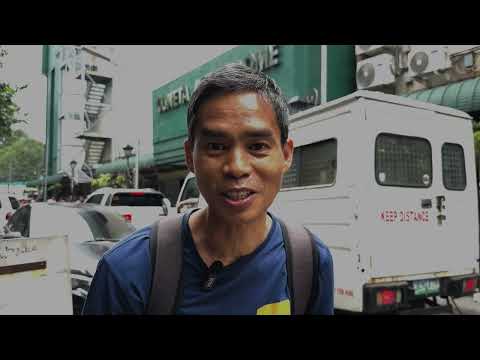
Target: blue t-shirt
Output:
{"points": [[253, 284]]}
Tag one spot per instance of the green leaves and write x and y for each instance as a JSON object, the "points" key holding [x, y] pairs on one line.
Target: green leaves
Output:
{"points": [[105, 180], [23, 156], [8, 111]]}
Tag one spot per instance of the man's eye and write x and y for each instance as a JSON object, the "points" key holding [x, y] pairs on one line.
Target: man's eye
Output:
{"points": [[258, 147], [215, 147]]}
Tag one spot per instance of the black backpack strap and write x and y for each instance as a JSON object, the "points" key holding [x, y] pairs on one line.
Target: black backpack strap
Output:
{"points": [[166, 253], [302, 267]]}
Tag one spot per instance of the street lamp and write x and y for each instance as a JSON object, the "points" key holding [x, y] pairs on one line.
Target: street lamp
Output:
{"points": [[73, 164], [128, 154]]}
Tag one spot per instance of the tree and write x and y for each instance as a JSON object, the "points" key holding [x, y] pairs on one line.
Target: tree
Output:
{"points": [[8, 108], [3, 53], [21, 157], [102, 181], [108, 180]]}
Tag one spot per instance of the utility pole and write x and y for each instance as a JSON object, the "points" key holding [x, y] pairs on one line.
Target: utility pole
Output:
{"points": [[137, 168], [9, 174]]}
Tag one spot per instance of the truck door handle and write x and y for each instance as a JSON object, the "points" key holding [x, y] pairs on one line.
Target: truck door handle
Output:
{"points": [[440, 202], [441, 218], [426, 203]]}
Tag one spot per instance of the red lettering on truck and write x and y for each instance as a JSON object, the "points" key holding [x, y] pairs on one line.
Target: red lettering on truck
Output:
{"points": [[346, 292], [404, 216]]}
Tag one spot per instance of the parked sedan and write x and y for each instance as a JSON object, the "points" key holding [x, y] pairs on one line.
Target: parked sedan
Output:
{"points": [[91, 232], [141, 207]]}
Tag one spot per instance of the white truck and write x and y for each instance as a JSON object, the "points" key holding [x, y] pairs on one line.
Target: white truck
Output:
{"points": [[389, 184], [140, 207]]}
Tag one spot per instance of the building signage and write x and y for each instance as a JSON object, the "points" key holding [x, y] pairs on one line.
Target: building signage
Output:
{"points": [[260, 61]]}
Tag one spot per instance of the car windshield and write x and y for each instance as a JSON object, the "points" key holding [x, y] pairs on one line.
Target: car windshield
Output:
{"points": [[105, 225], [137, 199]]}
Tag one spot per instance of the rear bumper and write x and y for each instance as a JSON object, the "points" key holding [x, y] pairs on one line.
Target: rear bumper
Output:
{"points": [[449, 287]]}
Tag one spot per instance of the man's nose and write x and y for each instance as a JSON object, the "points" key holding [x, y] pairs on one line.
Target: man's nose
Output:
{"points": [[237, 164]]}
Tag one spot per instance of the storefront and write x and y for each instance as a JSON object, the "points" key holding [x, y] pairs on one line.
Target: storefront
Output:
{"points": [[309, 75]]}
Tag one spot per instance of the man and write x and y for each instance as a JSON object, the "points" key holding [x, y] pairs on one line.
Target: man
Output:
{"points": [[239, 149]]}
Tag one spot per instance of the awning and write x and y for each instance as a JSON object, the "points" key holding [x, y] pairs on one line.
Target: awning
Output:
{"points": [[120, 165], [463, 95]]}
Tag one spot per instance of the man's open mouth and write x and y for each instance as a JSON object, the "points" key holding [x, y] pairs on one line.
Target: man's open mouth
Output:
{"points": [[237, 195]]}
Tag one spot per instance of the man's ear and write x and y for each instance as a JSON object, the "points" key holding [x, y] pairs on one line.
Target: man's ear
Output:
{"points": [[288, 154], [188, 148]]}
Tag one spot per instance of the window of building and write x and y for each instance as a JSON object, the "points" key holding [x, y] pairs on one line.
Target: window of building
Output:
{"points": [[403, 161], [453, 167], [313, 164]]}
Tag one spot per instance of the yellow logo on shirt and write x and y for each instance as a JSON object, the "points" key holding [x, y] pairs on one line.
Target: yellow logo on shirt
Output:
{"points": [[279, 308]]}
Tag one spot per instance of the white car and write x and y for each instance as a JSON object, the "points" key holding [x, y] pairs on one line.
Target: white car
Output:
{"points": [[8, 205], [91, 232], [140, 207], [189, 195]]}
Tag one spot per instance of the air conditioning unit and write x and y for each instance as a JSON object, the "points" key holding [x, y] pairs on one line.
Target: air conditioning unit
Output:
{"points": [[423, 60], [371, 50], [375, 71]]}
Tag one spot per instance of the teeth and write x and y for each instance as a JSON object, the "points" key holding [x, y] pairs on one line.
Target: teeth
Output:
{"points": [[238, 195]]}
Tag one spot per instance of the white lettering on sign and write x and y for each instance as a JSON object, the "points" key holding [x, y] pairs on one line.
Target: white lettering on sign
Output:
{"points": [[263, 59], [404, 216], [259, 61], [173, 99]]}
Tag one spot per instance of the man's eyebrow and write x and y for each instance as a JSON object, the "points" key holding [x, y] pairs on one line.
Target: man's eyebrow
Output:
{"points": [[260, 133], [256, 133], [212, 133]]}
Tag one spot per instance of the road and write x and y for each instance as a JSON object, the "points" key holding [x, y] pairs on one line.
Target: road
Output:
{"points": [[468, 306], [464, 306]]}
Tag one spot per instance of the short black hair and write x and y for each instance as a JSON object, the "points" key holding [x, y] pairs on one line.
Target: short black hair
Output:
{"points": [[237, 77]]}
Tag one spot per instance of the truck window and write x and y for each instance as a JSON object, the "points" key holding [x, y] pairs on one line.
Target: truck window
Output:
{"points": [[453, 167], [191, 189], [313, 164], [403, 161], [137, 199]]}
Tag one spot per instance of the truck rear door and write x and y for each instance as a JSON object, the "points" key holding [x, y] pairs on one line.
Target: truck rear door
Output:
{"points": [[423, 199]]}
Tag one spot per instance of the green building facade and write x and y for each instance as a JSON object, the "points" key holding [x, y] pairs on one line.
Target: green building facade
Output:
{"points": [[51, 69], [308, 75]]}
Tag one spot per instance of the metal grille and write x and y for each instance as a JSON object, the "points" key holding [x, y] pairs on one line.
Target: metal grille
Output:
{"points": [[291, 177], [453, 167], [403, 161], [313, 164]]}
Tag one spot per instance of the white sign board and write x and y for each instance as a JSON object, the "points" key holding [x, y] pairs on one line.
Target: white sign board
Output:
{"points": [[35, 276]]}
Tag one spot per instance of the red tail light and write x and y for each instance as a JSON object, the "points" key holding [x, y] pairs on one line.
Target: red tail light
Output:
{"points": [[127, 217], [389, 297], [137, 193], [469, 285]]}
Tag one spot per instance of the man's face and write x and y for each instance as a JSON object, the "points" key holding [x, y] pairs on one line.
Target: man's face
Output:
{"points": [[237, 156]]}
